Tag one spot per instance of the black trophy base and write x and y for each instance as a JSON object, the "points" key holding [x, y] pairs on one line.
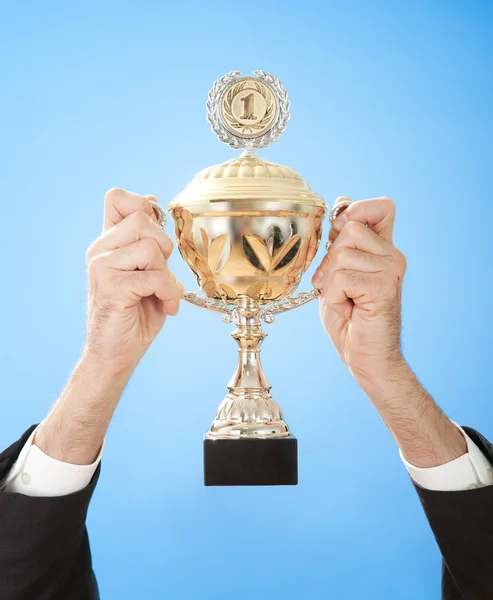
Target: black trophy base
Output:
{"points": [[251, 461]]}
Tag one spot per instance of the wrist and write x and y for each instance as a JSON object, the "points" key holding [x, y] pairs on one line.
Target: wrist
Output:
{"points": [[107, 367], [378, 377], [426, 437], [74, 429]]}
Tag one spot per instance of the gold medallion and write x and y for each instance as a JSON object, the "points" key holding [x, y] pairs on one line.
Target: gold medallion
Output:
{"points": [[248, 107]]}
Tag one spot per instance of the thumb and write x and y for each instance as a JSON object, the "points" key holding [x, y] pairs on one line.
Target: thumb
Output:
{"points": [[377, 213]]}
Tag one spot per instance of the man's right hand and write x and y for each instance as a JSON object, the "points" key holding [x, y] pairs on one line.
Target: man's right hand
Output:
{"points": [[131, 289]]}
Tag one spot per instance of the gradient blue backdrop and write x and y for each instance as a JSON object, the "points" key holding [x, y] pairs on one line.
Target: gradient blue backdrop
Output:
{"points": [[388, 98]]}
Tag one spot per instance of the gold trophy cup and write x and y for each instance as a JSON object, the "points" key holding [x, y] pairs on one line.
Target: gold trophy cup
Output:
{"points": [[248, 228]]}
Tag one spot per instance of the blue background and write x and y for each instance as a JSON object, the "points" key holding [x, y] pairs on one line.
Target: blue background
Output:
{"points": [[388, 98]]}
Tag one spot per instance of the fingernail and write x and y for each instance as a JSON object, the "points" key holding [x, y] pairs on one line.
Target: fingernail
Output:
{"points": [[340, 221]]}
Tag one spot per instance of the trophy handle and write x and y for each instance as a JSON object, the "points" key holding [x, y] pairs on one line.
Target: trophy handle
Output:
{"points": [[210, 304], [338, 209], [160, 213], [289, 304]]}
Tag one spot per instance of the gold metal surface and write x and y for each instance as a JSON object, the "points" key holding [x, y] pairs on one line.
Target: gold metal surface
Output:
{"points": [[248, 107], [248, 228], [249, 410]]}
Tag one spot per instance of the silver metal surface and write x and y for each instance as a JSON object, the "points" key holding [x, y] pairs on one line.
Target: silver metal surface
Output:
{"points": [[338, 208], [160, 213], [236, 140]]}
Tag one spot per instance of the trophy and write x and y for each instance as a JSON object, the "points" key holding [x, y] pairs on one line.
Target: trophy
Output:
{"points": [[248, 229]]}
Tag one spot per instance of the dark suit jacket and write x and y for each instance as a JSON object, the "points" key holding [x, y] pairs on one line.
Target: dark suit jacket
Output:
{"points": [[462, 523], [44, 548]]}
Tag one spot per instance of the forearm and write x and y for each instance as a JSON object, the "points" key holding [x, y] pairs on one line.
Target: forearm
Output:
{"points": [[75, 428], [424, 434]]}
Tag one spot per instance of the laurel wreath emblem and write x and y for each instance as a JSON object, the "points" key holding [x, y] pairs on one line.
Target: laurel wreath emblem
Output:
{"points": [[237, 141]]}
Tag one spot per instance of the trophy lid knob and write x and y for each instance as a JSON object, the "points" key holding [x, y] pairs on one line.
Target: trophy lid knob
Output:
{"points": [[248, 112]]}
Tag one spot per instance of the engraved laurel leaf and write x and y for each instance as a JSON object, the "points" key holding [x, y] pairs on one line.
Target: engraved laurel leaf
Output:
{"points": [[274, 239], [258, 290], [193, 258], [205, 242], [226, 291], [219, 252], [292, 244], [252, 244]]}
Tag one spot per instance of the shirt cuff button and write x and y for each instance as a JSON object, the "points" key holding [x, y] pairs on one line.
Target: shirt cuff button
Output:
{"points": [[26, 478]]}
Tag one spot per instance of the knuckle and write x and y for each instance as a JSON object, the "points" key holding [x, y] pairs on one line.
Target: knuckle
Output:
{"points": [[338, 278], [95, 267], [142, 204], [168, 241], [113, 193], [401, 262], [91, 252], [337, 257], [139, 219], [151, 247], [389, 204], [352, 229]]}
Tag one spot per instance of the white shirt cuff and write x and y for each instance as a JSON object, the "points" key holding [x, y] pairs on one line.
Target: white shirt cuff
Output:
{"points": [[37, 474], [472, 470]]}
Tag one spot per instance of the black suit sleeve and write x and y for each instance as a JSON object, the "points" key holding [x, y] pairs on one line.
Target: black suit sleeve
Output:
{"points": [[44, 547], [462, 523]]}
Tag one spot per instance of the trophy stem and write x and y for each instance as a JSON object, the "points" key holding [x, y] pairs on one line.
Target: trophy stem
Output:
{"points": [[249, 411]]}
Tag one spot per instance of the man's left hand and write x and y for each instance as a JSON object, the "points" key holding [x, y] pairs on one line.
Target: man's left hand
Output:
{"points": [[360, 280]]}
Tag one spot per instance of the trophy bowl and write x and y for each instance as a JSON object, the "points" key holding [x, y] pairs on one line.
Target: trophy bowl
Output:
{"points": [[248, 229]]}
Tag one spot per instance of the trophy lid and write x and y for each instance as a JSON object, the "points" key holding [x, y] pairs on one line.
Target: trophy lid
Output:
{"points": [[247, 178], [247, 113]]}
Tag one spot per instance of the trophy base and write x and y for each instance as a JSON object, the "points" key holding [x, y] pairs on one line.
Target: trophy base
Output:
{"points": [[247, 461]]}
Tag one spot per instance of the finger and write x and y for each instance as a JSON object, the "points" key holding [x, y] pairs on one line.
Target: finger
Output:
{"points": [[356, 235], [141, 284], [377, 213], [137, 226], [334, 298], [141, 255], [340, 286], [320, 273], [349, 259], [119, 203], [333, 234], [170, 307]]}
